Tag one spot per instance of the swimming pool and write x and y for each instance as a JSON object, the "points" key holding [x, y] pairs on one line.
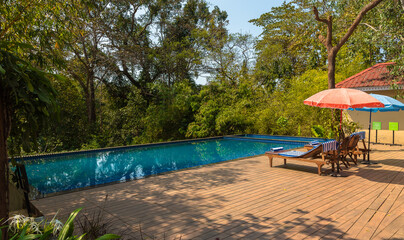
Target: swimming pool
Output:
{"points": [[61, 172]]}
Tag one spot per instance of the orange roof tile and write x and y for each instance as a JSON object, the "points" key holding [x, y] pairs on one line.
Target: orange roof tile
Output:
{"points": [[377, 75]]}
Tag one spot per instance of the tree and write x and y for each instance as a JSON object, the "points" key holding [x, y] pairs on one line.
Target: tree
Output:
{"points": [[128, 54], [82, 45], [287, 47], [26, 97], [385, 27], [327, 41], [226, 104]]}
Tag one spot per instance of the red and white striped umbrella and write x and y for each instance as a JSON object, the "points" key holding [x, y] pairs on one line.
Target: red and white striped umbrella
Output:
{"points": [[342, 98]]}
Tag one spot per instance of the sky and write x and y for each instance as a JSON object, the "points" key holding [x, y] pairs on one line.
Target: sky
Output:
{"points": [[241, 11]]}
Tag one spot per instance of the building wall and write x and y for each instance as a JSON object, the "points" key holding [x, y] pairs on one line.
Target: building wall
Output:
{"points": [[384, 117], [384, 135]]}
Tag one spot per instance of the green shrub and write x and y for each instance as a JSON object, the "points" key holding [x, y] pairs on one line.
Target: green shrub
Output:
{"points": [[24, 228]]}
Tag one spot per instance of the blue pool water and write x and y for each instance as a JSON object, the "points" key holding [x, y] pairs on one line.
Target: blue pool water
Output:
{"points": [[63, 172]]}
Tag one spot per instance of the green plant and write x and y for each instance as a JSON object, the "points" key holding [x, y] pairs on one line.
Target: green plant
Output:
{"points": [[2, 227], [318, 131], [350, 127], [24, 228], [20, 223], [95, 224]]}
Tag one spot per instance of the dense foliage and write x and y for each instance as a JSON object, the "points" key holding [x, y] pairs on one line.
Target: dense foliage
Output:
{"points": [[131, 67]]}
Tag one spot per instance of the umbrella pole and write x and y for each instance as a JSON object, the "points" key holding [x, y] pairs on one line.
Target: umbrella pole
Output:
{"points": [[340, 140], [340, 133], [370, 122], [368, 160], [340, 136]]}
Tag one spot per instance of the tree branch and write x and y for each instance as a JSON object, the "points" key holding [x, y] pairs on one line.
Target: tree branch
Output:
{"points": [[328, 40], [370, 26], [125, 72], [77, 77], [356, 22], [17, 18], [317, 17]]}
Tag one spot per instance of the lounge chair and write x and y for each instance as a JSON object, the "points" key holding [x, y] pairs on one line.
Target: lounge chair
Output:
{"points": [[318, 155], [352, 147], [364, 150], [340, 153]]}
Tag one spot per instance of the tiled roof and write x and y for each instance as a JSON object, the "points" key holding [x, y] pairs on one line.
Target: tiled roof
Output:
{"points": [[375, 76]]}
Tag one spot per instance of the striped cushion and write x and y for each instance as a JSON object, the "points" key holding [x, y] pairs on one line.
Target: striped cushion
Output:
{"points": [[362, 135], [329, 146]]}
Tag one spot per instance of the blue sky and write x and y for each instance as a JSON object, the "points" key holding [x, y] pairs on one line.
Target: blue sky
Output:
{"points": [[241, 11]]}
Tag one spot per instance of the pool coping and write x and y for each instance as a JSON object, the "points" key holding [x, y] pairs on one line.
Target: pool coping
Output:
{"points": [[47, 155], [243, 137]]}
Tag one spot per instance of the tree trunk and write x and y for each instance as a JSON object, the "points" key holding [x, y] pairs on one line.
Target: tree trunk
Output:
{"points": [[331, 69], [4, 175], [90, 99]]}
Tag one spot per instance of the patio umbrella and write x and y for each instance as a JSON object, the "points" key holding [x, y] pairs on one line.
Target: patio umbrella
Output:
{"points": [[342, 98], [390, 105]]}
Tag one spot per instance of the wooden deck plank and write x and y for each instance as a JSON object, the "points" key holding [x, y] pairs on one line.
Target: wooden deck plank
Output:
{"points": [[281, 208], [370, 227], [309, 204], [315, 217], [328, 218], [391, 229], [389, 220]]}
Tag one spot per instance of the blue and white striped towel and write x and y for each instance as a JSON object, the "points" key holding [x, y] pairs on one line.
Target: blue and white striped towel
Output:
{"points": [[292, 153], [276, 149], [329, 146], [362, 135]]}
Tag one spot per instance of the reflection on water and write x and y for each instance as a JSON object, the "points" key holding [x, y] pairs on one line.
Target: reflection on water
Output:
{"points": [[76, 171]]}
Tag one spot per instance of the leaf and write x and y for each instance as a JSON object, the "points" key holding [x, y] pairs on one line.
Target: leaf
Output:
{"points": [[2, 71], [45, 235], [22, 235], [81, 237], [2, 226], [29, 237], [14, 237], [30, 87], [59, 77], [43, 97], [109, 236], [6, 44], [68, 228]]}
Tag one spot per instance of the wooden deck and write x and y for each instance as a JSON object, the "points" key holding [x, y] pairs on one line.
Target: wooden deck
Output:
{"points": [[246, 199]]}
